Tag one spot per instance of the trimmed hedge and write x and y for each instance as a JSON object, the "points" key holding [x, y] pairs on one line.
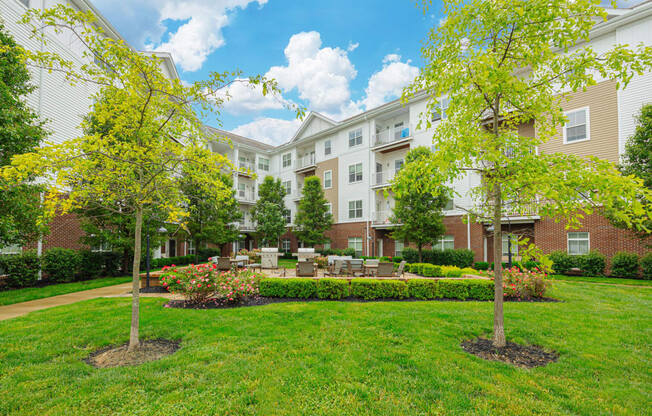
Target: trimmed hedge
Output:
{"points": [[624, 264], [591, 264], [453, 257], [646, 266], [369, 289], [62, 264], [481, 265], [99, 264], [169, 261], [21, 269]]}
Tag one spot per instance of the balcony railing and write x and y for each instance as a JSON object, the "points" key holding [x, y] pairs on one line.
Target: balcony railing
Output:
{"points": [[382, 218], [306, 161], [246, 165], [246, 195], [393, 134], [246, 225], [385, 177]]}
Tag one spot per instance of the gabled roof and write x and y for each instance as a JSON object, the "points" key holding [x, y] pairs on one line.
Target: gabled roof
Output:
{"points": [[308, 120], [237, 139]]}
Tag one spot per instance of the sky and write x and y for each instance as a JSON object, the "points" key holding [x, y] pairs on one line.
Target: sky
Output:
{"points": [[336, 57]]}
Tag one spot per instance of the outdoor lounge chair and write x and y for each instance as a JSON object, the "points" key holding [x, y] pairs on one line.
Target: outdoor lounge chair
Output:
{"points": [[223, 263], [335, 269], [385, 270], [372, 262], [306, 269], [401, 269], [355, 266]]}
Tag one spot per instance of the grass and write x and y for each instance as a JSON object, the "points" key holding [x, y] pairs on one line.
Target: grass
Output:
{"points": [[336, 358], [602, 279], [287, 263], [10, 297]]}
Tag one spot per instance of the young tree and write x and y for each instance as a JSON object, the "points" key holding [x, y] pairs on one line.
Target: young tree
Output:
{"points": [[152, 135], [268, 213], [313, 218], [503, 63], [417, 208], [21, 131], [209, 220]]}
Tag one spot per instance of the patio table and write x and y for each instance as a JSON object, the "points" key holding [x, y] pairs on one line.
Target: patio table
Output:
{"points": [[370, 269]]}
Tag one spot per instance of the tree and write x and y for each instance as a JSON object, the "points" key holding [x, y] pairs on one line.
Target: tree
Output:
{"points": [[21, 131], [417, 209], [268, 213], [503, 63], [209, 220], [152, 133], [313, 218]]}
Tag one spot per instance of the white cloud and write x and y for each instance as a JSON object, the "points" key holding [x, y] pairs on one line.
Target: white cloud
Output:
{"points": [[244, 98], [388, 83], [268, 130], [320, 75]]}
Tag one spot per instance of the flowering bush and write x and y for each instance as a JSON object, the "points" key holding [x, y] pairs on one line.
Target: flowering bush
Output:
{"points": [[526, 284], [322, 262], [254, 255], [203, 282]]}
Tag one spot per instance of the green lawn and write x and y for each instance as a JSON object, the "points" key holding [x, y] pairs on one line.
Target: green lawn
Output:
{"points": [[602, 279], [336, 358], [30, 293], [287, 263]]}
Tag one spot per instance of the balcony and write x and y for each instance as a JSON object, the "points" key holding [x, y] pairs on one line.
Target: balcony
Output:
{"points": [[306, 163], [391, 139], [381, 219], [247, 226], [247, 196], [383, 179], [246, 168]]}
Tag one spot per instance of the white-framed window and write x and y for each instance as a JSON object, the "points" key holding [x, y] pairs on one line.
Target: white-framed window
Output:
{"points": [[327, 245], [356, 244], [355, 173], [398, 164], [576, 128], [327, 147], [102, 247], [288, 187], [287, 160], [450, 205], [287, 213], [242, 189], [514, 248], [355, 209], [355, 137], [263, 164], [398, 248], [328, 179], [440, 114], [191, 247], [578, 243], [329, 208], [12, 249], [445, 242], [286, 245]]}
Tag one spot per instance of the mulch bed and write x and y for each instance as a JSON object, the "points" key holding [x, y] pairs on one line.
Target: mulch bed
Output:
{"points": [[153, 289], [525, 356], [118, 356], [260, 300]]}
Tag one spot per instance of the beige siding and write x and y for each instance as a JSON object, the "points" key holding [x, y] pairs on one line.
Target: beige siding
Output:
{"points": [[330, 194], [603, 120]]}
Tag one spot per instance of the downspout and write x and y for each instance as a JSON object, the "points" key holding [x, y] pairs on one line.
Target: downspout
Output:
{"points": [[39, 244], [468, 231]]}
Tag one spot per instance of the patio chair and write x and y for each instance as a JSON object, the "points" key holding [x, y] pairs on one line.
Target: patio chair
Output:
{"points": [[372, 262], [335, 269], [223, 263], [355, 266], [401, 269], [306, 269], [385, 270]]}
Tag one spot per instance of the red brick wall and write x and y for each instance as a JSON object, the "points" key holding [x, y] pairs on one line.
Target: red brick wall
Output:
{"points": [[65, 231]]}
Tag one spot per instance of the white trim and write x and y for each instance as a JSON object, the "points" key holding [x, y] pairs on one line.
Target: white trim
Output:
{"points": [[330, 207], [588, 238], [348, 209], [324, 178], [588, 125], [348, 138]]}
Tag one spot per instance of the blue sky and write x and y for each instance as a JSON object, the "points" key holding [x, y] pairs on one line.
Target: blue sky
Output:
{"points": [[342, 56]]}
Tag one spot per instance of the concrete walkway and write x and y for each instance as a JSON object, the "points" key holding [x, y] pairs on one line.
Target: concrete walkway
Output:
{"points": [[23, 308]]}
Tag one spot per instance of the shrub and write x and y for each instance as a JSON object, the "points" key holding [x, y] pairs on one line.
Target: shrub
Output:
{"points": [[205, 253], [61, 264], [430, 270], [531, 265], [92, 264], [349, 252], [451, 271], [646, 266], [202, 282], [481, 265], [322, 262], [592, 264], [453, 289], [524, 284], [410, 255], [479, 289], [624, 264], [418, 268], [332, 252], [332, 288], [423, 289], [21, 269], [562, 262], [378, 289], [288, 288]]}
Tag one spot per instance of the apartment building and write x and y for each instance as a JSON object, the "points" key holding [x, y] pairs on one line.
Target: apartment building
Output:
{"points": [[356, 158]]}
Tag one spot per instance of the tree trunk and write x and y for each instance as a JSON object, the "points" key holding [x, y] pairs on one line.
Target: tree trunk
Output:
{"points": [[134, 342], [499, 329], [420, 255]]}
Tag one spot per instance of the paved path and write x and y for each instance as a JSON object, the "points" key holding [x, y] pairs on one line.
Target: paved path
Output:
{"points": [[23, 308]]}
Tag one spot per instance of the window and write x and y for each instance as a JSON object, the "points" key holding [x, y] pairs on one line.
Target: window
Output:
{"points": [[328, 179], [286, 245], [355, 137], [191, 247], [287, 160], [578, 243], [398, 164], [25, 3], [577, 127], [445, 243], [356, 244], [102, 247], [450, 205], [355, 209], [287, 213], [398, 248], [241, 190], [263, 164], [443, 106], [514, 248], [329, 208], [12, 249], [288, 187], [355, 173], [327, 147], [327, 245]]}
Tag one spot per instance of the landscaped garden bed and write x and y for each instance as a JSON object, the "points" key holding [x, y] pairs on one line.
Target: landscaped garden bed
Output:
{"points": [[527, 356], [119, 356]]}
